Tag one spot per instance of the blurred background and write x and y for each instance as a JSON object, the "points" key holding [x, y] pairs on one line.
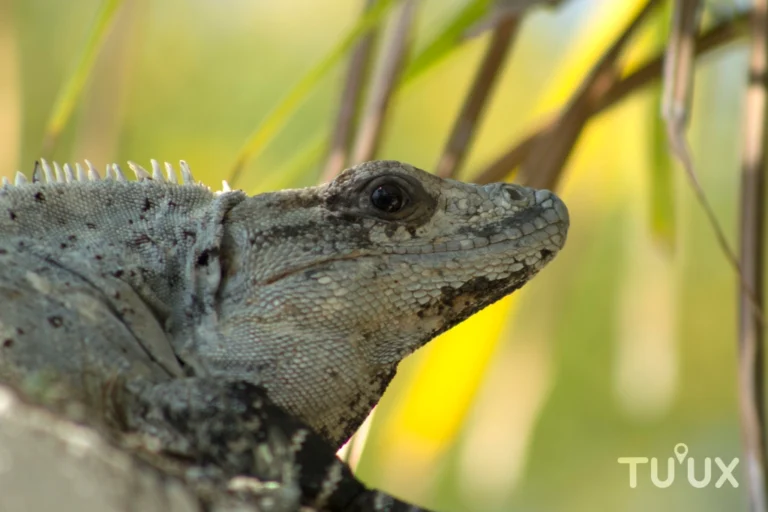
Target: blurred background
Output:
{"points": [[624, 346]]}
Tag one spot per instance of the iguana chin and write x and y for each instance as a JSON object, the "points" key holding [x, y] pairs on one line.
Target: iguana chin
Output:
{"points": [[156, 292]]}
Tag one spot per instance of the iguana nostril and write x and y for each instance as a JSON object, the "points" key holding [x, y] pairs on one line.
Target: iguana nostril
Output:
{"points": [[513, 193]]}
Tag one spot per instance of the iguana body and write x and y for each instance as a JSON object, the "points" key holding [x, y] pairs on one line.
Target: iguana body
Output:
{"points": [[146, 297]]}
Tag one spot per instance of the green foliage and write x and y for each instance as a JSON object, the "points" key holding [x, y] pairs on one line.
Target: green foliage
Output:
{"points": [[71, 91], [448, 40]]}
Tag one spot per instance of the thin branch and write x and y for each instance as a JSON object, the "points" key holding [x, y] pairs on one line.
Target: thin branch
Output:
{"points": [[706, 42], [677, 91], [357, 76], [677, 94], [544, 165], [372, 125], [278, 117], [709, 41], [676, 99], [504, 9], [466, 123], [751, 261]]}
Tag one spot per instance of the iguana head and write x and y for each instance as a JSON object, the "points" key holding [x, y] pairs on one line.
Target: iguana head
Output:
{"points": [[316, 294], [339, 282]]}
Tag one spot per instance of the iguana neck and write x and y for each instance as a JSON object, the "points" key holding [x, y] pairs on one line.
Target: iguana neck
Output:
{"points": [[161, 239]]}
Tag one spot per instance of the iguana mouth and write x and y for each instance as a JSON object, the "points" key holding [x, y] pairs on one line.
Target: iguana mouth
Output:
{"points": [[506, 240], [505, 243]]}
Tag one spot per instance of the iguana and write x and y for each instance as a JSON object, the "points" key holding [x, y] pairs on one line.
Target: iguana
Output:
{"points": [[220, 324]]}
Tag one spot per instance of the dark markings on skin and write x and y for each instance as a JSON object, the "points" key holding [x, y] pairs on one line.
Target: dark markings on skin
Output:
{"points": [[40, 197], [12, 215], [335, 201], [494, 228], [147, 205], [258, 368], [240, 414], [455, 305], [139, 241], [352, 234], [8, 343], [303, 199], [206, 255], [483, 232], [55, 321], [361, 404], [289, 232], [343, 218], [520, 218]]}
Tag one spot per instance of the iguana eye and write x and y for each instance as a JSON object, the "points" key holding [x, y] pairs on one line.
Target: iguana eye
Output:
{"points": [[389, 198], [383, 191]]}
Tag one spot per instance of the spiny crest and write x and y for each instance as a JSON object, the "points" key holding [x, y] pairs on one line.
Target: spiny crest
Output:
{"points": [[55, 173]]}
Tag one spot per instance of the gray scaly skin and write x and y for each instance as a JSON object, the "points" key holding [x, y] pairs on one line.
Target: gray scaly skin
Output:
{"points": [[174, 311]]}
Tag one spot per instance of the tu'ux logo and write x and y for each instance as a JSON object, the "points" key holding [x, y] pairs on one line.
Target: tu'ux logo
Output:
{"points": [[698, 472]]}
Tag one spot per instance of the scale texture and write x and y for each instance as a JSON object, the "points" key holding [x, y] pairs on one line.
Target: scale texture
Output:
{"points": [[252, 335]]}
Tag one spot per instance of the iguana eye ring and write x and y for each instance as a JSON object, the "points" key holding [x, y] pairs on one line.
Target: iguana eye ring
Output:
{"points": [[389, 198]]}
